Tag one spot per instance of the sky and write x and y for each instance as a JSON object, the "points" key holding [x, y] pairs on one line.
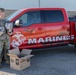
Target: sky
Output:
{"points": [[69, 5]]}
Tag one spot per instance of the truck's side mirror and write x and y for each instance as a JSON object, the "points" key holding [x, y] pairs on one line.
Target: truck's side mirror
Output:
{"points": [[18, 23]]}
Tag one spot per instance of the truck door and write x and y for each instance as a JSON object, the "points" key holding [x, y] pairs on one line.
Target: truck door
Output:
{"points": [[31, 33], [56, 28]]}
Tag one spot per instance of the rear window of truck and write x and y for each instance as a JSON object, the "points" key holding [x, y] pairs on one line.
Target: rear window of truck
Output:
{"points": [[54, 16]]}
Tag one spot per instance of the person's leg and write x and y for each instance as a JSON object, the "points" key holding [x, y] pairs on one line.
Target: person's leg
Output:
{"points": [[6, 49], [1, 49]]}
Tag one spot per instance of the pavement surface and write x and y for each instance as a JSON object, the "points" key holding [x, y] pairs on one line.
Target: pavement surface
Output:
{"points": [[55, 61]]}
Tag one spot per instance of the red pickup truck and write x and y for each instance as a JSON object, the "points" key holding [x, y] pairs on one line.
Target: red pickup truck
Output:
{"points": [[41, 27]]}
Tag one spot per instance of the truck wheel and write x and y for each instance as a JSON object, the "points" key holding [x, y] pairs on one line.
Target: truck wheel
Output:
{"points": [[75, 46]]}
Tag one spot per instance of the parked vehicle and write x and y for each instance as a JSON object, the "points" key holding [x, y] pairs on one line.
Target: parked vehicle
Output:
{"points": [[42, 27]]}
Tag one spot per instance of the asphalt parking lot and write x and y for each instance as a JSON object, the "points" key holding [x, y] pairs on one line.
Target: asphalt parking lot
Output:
{"points": [[55, 61]]}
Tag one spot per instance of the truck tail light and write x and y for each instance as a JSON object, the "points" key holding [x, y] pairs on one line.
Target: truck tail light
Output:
{"points": [[75, 26]]}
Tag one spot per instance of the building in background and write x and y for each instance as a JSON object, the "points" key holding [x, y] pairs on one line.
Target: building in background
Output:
{"points": [[10, 5]]}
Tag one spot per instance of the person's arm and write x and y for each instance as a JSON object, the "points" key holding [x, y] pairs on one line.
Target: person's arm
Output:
{"points": [[9, 28]]}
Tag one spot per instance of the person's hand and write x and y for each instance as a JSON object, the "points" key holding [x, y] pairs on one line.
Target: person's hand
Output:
{"points": [[1, 33], [10, 33]]}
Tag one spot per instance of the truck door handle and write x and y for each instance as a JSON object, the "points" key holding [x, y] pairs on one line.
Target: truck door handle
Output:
{"points": [[40, 28], [29, 30]]}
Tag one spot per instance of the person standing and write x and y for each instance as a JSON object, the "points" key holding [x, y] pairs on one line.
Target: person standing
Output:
{"points": [[4, 38]]}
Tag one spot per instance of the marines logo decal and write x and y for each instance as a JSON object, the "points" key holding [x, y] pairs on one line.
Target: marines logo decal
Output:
{"points": [[17, 39]]}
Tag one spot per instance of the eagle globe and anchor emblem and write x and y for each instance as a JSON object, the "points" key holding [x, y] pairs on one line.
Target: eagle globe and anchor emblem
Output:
{"points": [[17, 39]]}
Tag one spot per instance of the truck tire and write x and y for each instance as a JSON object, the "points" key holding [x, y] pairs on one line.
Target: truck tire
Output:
{"points": [[75, 46]]}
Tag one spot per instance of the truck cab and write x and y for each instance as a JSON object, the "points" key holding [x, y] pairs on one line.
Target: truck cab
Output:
{"points": [[40, 27]]}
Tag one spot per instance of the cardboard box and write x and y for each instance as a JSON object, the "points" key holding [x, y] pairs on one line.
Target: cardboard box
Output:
{"points": [[19, 60], [5, 73]]}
